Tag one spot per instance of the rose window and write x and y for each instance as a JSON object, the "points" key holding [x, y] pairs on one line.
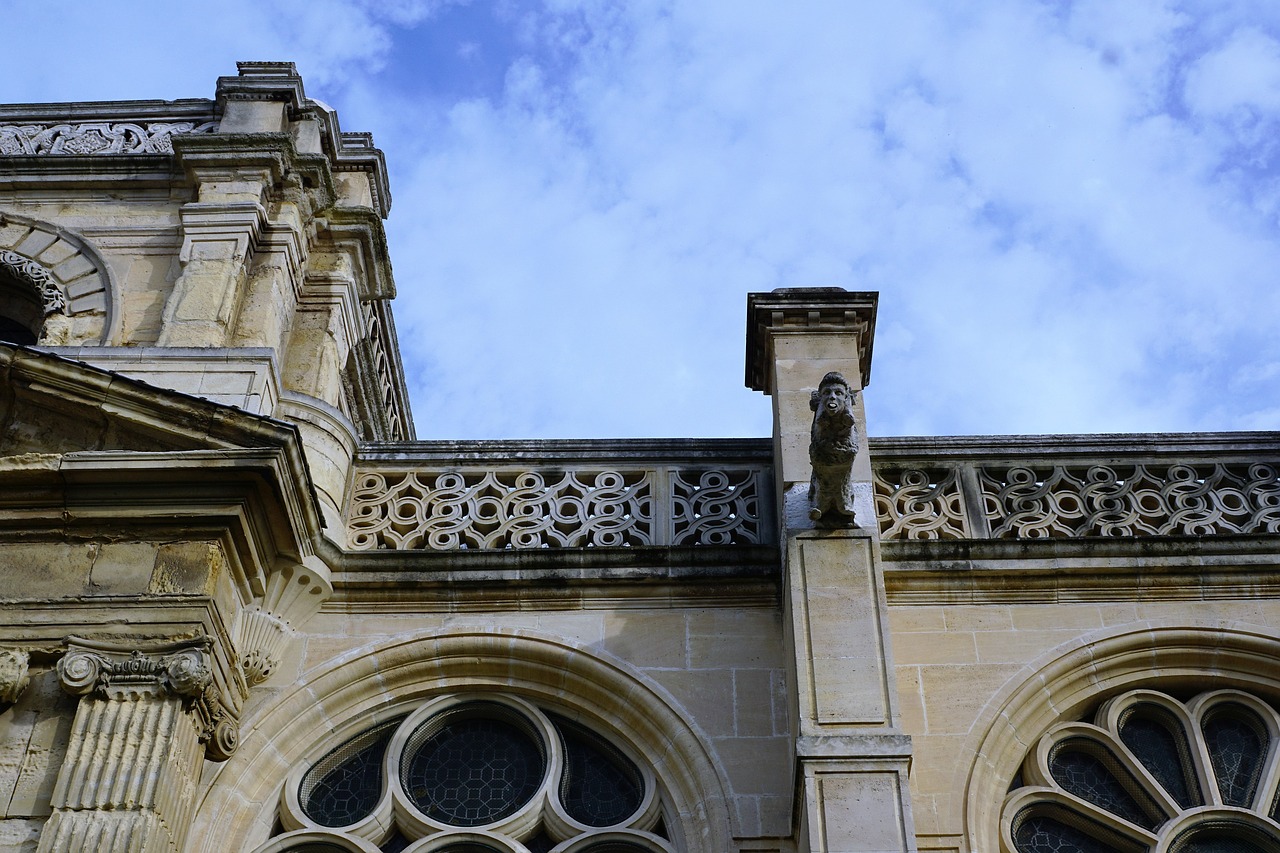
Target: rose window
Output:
{"points": [[477, 774], [1152, 774]]}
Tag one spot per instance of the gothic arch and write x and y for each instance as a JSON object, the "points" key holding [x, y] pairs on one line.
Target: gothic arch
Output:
{"points": [[59, 284], [1064, 682], [379, 683]]}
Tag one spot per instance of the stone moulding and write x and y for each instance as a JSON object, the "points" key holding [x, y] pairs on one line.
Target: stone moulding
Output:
{"points": [[620, 502], [1067, 487], [96, 137]]}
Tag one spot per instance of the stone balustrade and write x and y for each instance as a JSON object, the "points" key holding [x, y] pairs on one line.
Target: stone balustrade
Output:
{"points": [[1036, 487], [516, 495], [562, 494]]}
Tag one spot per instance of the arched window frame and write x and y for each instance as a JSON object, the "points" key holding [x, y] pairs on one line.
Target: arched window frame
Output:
{"points": [[1066, 682], [599, 691]]}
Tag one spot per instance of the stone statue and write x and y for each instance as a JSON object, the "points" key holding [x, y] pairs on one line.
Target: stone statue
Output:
{"points": [[833, 443]]}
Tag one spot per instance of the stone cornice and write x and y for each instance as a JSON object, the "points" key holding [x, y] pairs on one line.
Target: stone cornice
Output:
{"points": [[816, 310], [1095, 569], [221, 469]]}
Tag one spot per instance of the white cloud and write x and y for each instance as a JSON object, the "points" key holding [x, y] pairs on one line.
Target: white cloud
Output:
{"points": [[1069, 209]]}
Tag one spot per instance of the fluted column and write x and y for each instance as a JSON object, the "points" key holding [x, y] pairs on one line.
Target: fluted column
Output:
{"points": [[141, 732]]}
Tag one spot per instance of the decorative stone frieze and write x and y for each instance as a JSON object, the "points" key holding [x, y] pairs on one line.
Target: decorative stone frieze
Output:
{"points": [[15, 674], [96, 137]]}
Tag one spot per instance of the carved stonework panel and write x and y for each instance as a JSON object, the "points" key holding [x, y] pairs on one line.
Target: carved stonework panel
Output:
{"points": [[39, 277], [15, 674], [180, 670], [915, 503], [715, 507], [502, 509], [488, 509], [1207, 499], [96, 137]]}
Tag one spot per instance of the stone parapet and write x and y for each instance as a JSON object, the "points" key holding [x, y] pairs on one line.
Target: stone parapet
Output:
{"points": [[510, 495]]}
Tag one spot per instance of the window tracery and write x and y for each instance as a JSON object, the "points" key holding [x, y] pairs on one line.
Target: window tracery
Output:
{"points": [[1152, 774], [478, 773]]}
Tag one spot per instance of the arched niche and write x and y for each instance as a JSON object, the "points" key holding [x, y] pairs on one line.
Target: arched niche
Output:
{"points": [[55, 288], [1064, 683], [240, 807]]}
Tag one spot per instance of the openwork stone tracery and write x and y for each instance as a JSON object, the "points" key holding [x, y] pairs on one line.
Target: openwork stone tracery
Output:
{"points": [[479, 772], [1153, 773], [1034, 501], [531, 508]]}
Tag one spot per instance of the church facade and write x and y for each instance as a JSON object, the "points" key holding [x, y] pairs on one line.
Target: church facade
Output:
{"points": [[243, 609]]}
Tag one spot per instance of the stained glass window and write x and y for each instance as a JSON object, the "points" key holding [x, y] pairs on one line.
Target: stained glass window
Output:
{"points": [[1237, 744], [458, 765], [473, 766], [600, 786], [344, 786], [1156, 739], [1131, 811]]}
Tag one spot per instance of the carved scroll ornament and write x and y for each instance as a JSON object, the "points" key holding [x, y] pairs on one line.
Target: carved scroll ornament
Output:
{"points": [[98, 137], [37, 276], [180, 670]]}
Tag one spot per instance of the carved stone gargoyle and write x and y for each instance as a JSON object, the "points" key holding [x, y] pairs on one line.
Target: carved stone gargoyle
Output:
{"points": [[833, 444]]}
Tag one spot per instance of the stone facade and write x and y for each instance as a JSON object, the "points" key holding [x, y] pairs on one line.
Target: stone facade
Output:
{"points": [[243, 609]]}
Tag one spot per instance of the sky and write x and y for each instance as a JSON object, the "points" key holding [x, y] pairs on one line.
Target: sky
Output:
{"points": [[1071, 210]]}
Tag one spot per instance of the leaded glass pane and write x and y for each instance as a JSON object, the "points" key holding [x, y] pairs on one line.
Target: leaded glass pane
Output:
{"points": [[1221, 845], [1161, 746], [344, 786], [472, 766], [1086, 776], [1044, 834], [1237, 744], [540, 843], [600, 786], [395, 844], [1226, 839]]}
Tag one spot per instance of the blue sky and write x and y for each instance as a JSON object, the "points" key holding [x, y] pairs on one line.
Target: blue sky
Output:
{"points": [[1070, 209]]}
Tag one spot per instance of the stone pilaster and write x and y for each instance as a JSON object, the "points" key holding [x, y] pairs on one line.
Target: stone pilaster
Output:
{"points": [[852, 759], [146, 721]]}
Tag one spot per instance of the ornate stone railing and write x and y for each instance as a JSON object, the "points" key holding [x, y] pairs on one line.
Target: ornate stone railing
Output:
{"points": [[564, 494], [97, 137], [1034, 487]]}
